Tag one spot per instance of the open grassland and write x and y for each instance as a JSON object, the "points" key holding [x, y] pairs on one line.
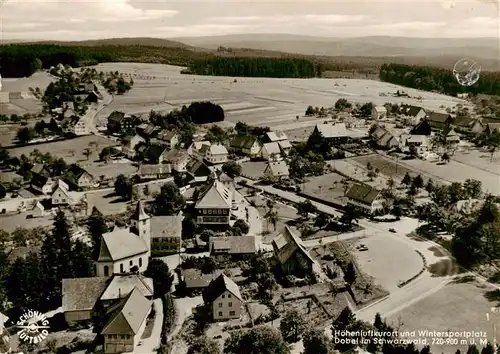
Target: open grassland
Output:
{"points": [[65, 148], [256, 101], [451, 309]]}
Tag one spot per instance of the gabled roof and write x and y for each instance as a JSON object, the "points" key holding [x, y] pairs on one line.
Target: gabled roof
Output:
{"points": [[194, 279], [167, 135], [216, 196], [438, 117], [286, 244], [119, 244], [409, 110], [156, 150], [329, 131], [277, 168], [39, 180], [121, 285], [233, 244], [275, 136], [217, 149], [197, 168], [243, 141], [176, 155], [79, 294], [284, 144], [463, 121], [385, 139], [380, 109], [220, 285], [139, 213], [272, 148], [362, 193], [116, 116], [493, 126], [154, 169], [166, 226], [77, 170], [197, 145], [128, 317], [449, 132]]}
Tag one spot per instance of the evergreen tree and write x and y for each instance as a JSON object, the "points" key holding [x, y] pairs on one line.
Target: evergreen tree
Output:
{"points": [[345, 318], [97, 227], [472, 349], [83, 264], [315, 342], [377, 323], [488, 349], [350, 274]]}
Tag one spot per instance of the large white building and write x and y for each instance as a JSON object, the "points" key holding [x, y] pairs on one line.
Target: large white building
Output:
{"points": [[126, 250]]}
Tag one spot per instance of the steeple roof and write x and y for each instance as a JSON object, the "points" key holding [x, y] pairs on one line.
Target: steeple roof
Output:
{"points": [[139, 213]]}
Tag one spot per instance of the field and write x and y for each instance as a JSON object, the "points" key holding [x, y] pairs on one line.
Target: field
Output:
{"points": [[326, 187], [20, 100], [64, 148], [447, 310], [256, 101]]}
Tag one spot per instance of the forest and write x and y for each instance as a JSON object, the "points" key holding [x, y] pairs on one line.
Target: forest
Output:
{"points": [[22, 60], [255, 67], [439, 80]]}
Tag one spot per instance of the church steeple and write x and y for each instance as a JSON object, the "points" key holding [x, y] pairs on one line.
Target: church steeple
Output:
{"points": [[139, 213]]}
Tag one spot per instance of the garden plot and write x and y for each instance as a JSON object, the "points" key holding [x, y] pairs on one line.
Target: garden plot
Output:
{"points": [[326, 187], [107, 202], [253, 170], [447, 310]]}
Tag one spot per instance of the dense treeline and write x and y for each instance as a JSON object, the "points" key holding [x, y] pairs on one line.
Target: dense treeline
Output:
{"points": [[436, 79], [255, 67], [19, 60]]}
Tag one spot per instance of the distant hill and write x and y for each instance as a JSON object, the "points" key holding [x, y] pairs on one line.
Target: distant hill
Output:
{"points": [[377, 46]]}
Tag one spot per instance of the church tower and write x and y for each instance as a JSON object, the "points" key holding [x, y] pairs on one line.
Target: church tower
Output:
{"points": [[141, 224]]}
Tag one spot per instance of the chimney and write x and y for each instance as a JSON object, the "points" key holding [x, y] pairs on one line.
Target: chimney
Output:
{"points": [[119, 293]]}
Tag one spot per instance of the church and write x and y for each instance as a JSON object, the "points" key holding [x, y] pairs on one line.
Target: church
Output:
{"points": [[126, 250]]}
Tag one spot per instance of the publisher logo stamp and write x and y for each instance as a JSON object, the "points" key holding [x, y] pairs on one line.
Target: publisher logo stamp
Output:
{"points": [[33, 327]]}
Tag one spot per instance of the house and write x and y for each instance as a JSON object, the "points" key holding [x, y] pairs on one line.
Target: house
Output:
{"points": [[418, 143], [271, 152], [151, 172], [119, 122], [224, 299], [128, 249], [79, 297], [335, 134], [247, 145], [492, 127], [79, 177], [422, 128], [126, 323], [285, 146], [291, 254], [38, 210], [193, 280], [477, 127], [275, 136], [439, 120], [364, 197], [195, 148], [236, 246], [170, 138], [40, 169], [215, 154], [463, 122], [353, 122], [384, 139], [91, 97], [60, 195], [178, 160], [412, 115], [79, 127], [130, 143], [166, 232], [277, 169], [41, 184], [120, 285], [198, 171], [379, 112], [157, 153], [149, 132], [214, 204], [451, 135]]}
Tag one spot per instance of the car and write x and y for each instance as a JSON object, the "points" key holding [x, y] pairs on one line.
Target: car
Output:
{"points": [[392, 230]]}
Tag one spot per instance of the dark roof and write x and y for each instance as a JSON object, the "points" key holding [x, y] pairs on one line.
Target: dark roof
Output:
{"points": [[463, 121], [76, 170], [363, 193], [218, 286], [116, 116], [243, 141], [422, 128], [155, 151], [139, 213], [82, 293], [438, 117], [197, 168], [194, 279], [39, 180], [409, 110], [287, 244]]}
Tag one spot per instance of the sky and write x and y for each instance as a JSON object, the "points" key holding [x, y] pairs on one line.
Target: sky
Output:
{"points": [[94, 19]]}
